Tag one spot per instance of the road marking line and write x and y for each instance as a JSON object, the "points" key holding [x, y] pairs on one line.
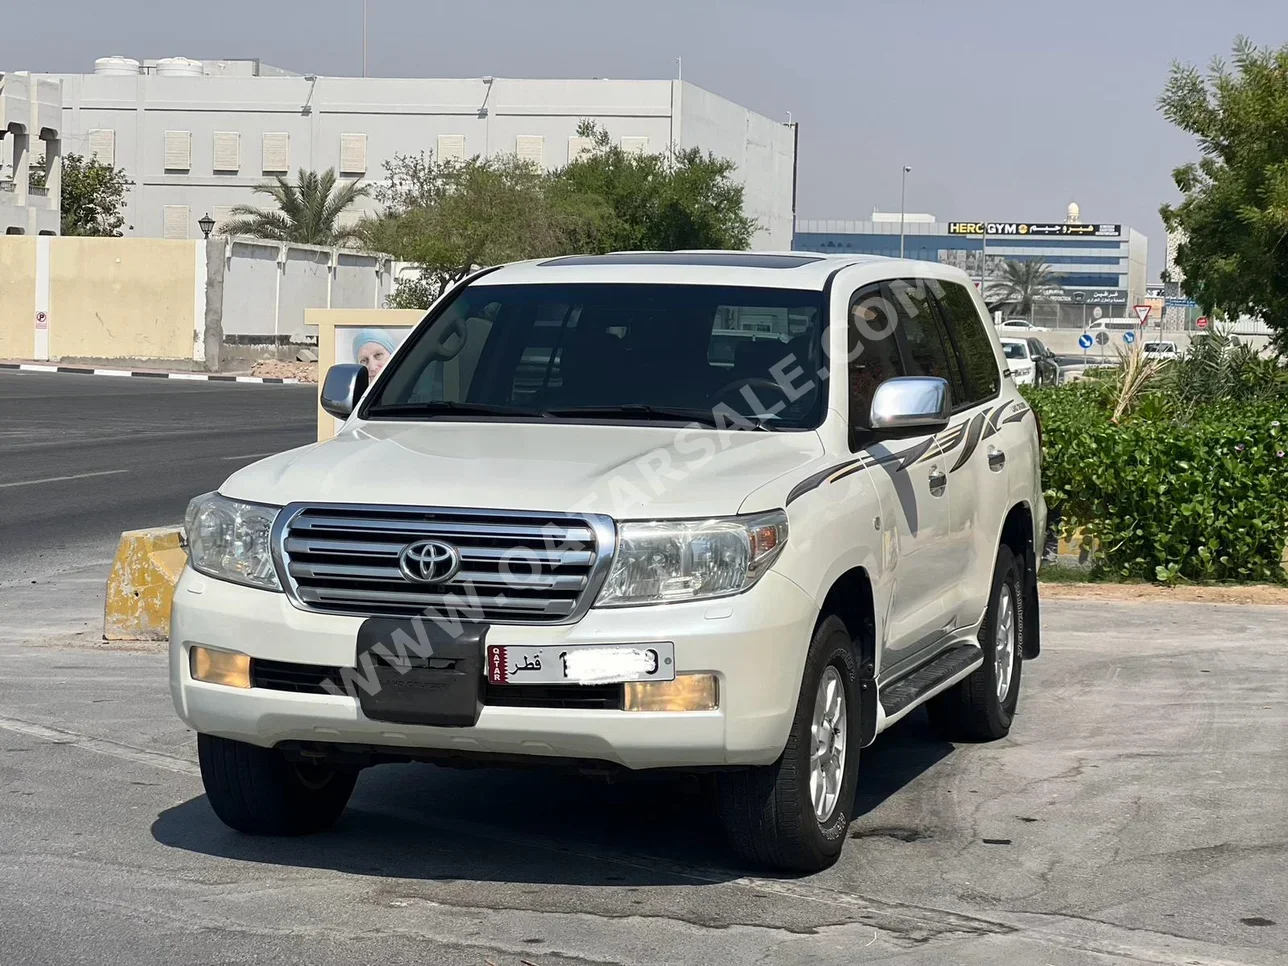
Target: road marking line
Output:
{"points": [[101, 746], [248, 456], [59, 479], [111, 372]]}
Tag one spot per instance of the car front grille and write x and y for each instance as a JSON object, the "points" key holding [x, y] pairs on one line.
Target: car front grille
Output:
{"points": [[516, 568]]}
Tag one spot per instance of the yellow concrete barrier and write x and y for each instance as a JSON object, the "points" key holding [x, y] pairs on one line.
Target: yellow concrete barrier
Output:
{"points": [[141, 586]]}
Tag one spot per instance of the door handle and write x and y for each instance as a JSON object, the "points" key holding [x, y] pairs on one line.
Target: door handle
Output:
{"points": [[938, 479], [996, 459]]}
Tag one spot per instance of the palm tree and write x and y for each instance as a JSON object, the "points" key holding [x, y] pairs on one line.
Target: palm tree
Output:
{"points": [[307, 211], [1022, 285]]}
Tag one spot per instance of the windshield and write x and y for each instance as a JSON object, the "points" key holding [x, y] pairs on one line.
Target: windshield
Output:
{"points": [[1160, 346], [591, 352], [1015, 350]]}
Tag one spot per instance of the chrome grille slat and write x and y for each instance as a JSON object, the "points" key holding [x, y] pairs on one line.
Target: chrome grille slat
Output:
{"points": [[437, 528], [517, 567]]}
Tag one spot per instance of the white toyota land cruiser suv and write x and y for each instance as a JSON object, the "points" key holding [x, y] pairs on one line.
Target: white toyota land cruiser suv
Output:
{"points": [[725, 512]]}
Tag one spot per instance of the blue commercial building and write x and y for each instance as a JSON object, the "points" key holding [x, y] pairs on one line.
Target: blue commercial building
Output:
{"points": [[1100, 268]]}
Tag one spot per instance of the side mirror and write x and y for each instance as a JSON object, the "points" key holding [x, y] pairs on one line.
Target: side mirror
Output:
{"points": [[910, 406], [343, 388]]}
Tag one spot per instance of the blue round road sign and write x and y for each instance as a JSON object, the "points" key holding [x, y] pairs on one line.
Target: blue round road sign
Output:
{"points": [[1129, 337], [1085, 340]]}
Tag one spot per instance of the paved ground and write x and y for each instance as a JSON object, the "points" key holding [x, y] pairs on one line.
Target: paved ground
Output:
{"points": [[1135, 815], [84, 457]]}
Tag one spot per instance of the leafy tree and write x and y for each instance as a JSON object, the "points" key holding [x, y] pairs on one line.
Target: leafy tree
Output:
{"points": [[93, 197], [307, 212], [620, 200], [1235, 206], [451, 216], [1021, 285]]}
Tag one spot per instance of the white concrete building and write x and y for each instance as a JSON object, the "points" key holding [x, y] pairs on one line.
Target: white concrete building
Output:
{"points": [[31, 120], [196, 137]]}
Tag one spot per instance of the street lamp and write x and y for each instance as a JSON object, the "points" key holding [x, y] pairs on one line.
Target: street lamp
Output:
{"points": [[206, 224], [903, 194]]}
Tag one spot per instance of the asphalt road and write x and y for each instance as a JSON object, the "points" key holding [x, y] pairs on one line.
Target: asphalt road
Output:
{"points": [[84, 457], [1134, 815]]}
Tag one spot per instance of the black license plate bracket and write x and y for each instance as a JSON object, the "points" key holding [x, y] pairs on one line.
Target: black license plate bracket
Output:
{"points": [[426, 672]]}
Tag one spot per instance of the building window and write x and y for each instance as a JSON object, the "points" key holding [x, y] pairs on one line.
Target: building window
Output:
{"points": [[451, 147], [635, 145], [174, 221], [102, 145], [226, 152], [277, 153], [178, 150], [222, 214], [353, 154], [532, 148], [579, 146]]}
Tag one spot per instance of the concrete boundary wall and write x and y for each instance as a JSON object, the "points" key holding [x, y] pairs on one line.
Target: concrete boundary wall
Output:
{"points": [[70, 298]]}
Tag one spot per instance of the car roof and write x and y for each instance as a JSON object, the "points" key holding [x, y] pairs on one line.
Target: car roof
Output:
{"points": [[1011, 341], [792, 270]]}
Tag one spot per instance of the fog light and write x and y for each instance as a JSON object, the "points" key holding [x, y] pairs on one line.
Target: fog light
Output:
{"points": [[220, 667], [688, 692]]}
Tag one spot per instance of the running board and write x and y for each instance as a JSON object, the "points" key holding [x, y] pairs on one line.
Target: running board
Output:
{"points": [[930, 678]]}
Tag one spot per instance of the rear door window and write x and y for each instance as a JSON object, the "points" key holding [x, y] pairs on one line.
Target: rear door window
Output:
{"points": [[970, 337]]}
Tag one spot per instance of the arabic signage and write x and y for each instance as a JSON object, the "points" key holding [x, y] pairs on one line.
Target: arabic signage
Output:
{"points": [[1032, 228], [1109, 296]]}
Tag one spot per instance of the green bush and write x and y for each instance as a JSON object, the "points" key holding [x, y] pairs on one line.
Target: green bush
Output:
{"points": [[1172, 492]]}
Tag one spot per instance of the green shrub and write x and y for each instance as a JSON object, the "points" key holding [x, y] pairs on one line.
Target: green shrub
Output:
{"points": [[1171, 492]]}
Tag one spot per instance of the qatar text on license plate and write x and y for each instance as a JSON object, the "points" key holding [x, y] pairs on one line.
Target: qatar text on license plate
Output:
{"points": [[586, 664]]}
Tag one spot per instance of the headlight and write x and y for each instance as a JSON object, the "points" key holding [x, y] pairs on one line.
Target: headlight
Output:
{"points": [[658, 563], [230, 540]]}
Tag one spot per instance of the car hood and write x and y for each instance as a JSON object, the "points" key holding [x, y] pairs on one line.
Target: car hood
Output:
{"points": [[628, 472]]}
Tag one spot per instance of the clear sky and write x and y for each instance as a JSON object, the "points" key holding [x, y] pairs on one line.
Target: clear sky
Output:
{"points": [[1006, 110]]}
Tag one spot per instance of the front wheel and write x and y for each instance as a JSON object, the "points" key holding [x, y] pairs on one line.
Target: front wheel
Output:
{"points": [[792, 816], [981, 707], [258, 791]]}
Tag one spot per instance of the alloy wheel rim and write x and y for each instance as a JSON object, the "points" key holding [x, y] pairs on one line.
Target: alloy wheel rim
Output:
{"points": [[1004, 642], [827, 746]]}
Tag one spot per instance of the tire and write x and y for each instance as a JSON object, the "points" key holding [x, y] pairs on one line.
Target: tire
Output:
{"points": [[973, 709], [768, 812], [257, 791]]}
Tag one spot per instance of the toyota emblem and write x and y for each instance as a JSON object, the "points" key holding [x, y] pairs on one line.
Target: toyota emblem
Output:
{"points": [[429, 562]]}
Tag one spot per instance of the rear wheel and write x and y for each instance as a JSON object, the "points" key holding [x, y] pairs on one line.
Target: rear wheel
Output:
{"points": [[793, 815], [258, 791], [981, 707]]}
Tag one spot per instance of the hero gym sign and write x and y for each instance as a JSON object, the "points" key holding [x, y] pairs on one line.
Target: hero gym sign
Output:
{"points": [[1034, 228]]}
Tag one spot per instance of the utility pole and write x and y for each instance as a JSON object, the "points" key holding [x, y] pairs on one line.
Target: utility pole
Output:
{"points": [[903, 197]]}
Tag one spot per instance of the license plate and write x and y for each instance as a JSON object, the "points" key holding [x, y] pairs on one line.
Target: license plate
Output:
{"points": [[582, 664]]}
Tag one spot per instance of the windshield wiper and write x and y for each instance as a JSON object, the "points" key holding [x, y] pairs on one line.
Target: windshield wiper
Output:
{"points": [[447, 408], [704, 417]]}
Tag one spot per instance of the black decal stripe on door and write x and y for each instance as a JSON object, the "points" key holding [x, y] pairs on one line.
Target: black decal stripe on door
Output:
{"points": [[994, 419], [1016, 416], [816, 480], [948, 441], [972, 440]]}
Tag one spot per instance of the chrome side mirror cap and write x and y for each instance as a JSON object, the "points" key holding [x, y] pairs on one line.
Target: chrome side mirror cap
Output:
{"points": [[910, 406], [342, 389]]}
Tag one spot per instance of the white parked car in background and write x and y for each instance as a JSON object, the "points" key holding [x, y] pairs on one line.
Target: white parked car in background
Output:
{"points": [[726, 512], [1160, 350], [1019, 359], [1018, 327]]}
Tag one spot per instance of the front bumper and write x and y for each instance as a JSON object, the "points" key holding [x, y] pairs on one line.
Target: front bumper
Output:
{"points": [[754, 643]]}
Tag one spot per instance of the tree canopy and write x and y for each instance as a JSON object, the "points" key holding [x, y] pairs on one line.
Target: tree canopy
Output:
{"points": [[308, 212], [92, 197], [450, 216], [1021, 285], [1234, 211]]}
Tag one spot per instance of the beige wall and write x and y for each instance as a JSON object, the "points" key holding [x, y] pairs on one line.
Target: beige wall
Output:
{"points": [[17, 297], [328, 321], [122, 298]]}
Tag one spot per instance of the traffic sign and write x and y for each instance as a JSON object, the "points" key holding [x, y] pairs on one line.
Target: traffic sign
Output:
{"points": [[1142, 313], [1201, 321], [1085, 340], [1102, 338], [42, 320], [1129, 337]]}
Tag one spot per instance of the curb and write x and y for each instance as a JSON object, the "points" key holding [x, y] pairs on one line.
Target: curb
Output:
{"points": [[148, 374], [145, 570]]}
